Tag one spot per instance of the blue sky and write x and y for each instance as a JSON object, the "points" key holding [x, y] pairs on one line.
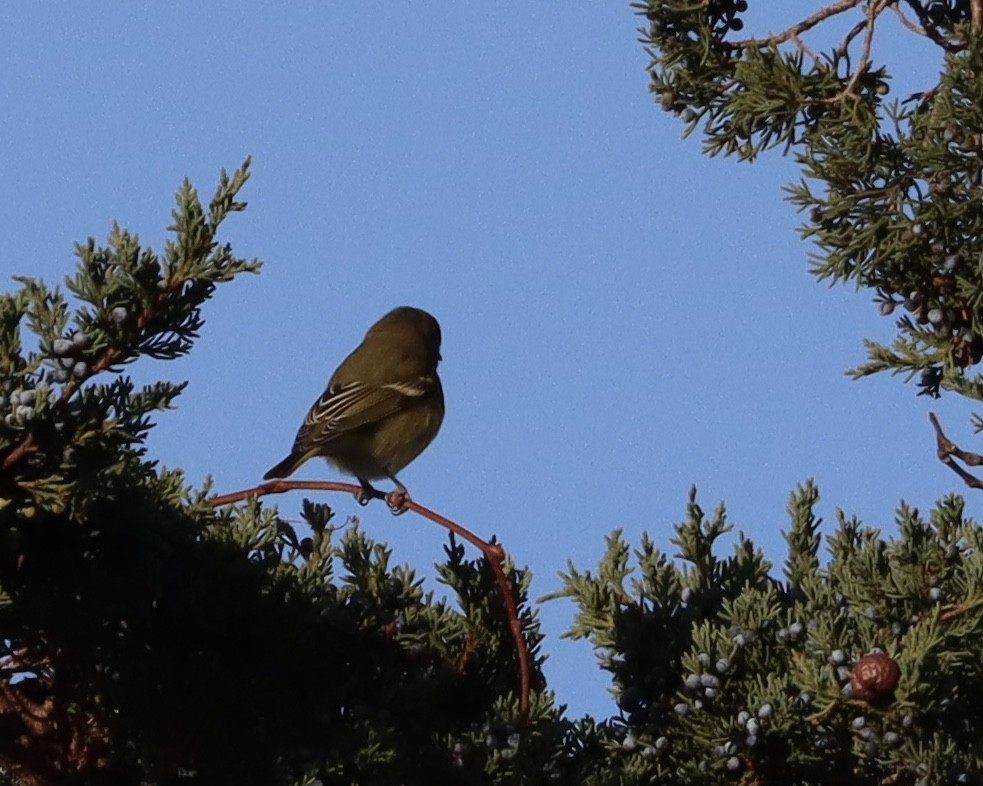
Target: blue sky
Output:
{"points": [[622, 318]]}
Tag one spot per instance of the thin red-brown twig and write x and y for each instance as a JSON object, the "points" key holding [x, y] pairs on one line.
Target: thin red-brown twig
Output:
{"points": [[493, 552], [949, 451], [798, 28]]}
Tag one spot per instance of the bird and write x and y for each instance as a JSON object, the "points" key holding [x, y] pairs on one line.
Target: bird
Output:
{"points": [[381, 408]]}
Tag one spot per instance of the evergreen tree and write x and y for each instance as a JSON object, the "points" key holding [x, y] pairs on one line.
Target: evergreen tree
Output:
{"points": [[857, 666], [146, 637], [151, 635]]}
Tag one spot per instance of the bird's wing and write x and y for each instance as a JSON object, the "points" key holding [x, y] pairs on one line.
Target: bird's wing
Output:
{"points": [[346, 407]]}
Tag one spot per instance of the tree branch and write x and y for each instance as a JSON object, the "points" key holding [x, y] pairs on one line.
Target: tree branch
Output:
{"points": [[799, 28], [492, 551], [948, 452]]}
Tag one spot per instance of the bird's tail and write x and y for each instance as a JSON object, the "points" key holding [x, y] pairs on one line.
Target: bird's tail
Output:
{"points": [[287, 467]]}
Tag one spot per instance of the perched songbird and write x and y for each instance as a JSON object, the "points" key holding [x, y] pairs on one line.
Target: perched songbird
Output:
{"points": [[381, 408]]}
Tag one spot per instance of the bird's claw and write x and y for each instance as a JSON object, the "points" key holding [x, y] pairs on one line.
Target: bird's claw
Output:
{"points": [[396, 500], [363, 496]]}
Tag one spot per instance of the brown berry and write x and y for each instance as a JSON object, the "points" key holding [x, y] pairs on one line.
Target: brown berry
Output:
{"points": [[874, 677]]}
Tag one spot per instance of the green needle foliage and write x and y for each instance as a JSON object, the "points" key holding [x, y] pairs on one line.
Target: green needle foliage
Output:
{"points": [[891, 188], [147, 638], [725, 674]]}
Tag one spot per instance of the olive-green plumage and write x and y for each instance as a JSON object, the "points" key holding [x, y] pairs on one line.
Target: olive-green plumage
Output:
{"points": [[382, 406]]}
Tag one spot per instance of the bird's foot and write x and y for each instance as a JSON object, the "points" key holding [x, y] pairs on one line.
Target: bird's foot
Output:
{"points": [[365, 494], [396, 500]]}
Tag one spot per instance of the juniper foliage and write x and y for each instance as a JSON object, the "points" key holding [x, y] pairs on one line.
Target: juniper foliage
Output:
{"points": [[147, 638], [890, 186], [724, 673]]}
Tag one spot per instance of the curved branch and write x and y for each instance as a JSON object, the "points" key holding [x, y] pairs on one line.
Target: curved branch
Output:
{"points": [[797, 29], [492, 551], [948, 451]]}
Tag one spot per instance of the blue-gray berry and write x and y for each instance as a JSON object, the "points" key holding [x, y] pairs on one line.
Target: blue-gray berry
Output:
{"points": [[765, 711], [119, 314], [67, 363], [15, 398], [630, 742], [796, 629], [935, 316], [743, 717], [81, 339], [843, 673], [61, 346], [662, 743], [710, 693], [733, 764], [28, 396], [58, 375], [892, 738], [25, 413], [753, 726], [859, 722], [936, 594], [80, 369], [687, 595], [751, 740], [837, 657], [693, 681], [723, 665], [514, 740], [740, 640], [682, 709], [709, 681], [704, 659], [648, 753]]}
